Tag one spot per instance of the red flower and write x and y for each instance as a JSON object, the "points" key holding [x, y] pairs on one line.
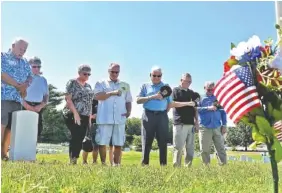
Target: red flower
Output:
{"points": [[226, 67]]}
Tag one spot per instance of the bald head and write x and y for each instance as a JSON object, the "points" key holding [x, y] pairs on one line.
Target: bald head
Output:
{"points": [[19, 47]]}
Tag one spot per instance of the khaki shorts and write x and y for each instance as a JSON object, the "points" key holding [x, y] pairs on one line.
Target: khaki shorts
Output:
{"points": [[7, 108]]}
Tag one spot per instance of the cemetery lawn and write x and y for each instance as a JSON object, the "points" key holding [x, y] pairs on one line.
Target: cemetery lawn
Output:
{"points": [[52, 173]]}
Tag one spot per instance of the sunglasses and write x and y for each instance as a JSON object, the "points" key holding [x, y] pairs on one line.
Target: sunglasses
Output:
{"points": [[86, 74], [114, 72], [156, 76], [36, 67]]}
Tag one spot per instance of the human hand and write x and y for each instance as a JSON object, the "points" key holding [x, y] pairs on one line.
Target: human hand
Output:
{"points": [[223, 130], [157, 96], [116, 92], [76, 118], [93, 116], [126, 114], [212, 108]]}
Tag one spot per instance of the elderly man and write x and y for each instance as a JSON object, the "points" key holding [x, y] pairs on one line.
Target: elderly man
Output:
{"points": [[37, 93], [212, 126], [114, 108], [16, 76], [185, 121], [155, 120]]}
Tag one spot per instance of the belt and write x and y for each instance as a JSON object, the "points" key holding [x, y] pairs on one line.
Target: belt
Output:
{"points": [[155, 112], [33, 103]]}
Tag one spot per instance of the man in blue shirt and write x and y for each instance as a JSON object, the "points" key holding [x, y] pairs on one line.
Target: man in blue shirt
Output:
{"points": [[37, 93], [15, 78], [212, 125], [155, 120]]}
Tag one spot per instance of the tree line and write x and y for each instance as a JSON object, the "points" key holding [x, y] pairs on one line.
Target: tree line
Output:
{"points": [[55, 130]]}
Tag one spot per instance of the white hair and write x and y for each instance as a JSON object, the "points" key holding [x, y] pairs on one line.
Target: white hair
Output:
{"points": [[209, 83], [156, 68], [19, 39]]}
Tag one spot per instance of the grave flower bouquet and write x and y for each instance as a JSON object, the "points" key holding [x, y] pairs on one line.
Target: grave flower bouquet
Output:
{"points": [[265, 62]]}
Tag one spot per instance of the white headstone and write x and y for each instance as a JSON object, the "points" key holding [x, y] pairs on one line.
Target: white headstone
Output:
{"points": [[243, 158], [24, 136], [126, 149], [250, 159], [266, 159]]}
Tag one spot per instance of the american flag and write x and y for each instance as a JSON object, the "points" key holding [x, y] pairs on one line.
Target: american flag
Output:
{"points": [[236, 93]]}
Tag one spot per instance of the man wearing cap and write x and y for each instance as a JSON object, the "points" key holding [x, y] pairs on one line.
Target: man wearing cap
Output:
{"points": [[154, 119], [212, 126], [37, 93], [15, 78], [114, 108], [185, 122]]}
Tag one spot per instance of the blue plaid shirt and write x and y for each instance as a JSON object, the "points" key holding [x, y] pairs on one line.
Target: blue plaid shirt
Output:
{"points": [[18, 69]]}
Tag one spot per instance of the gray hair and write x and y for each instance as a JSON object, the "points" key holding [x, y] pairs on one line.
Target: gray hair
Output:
{"points": [[19, 39], [84, 68], [113, 64], [209, 83], [35, 60], [156, 68], [186, 75]]}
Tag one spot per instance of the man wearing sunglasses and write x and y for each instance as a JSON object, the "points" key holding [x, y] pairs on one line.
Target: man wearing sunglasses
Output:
{"points": [[155, 119], [114, 108], [37, 93], [212, 125]]}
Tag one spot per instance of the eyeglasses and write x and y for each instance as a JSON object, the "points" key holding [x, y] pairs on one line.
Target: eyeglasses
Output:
{"points": [[114, 72], [36, 67], [156, 76], [86, 74]]}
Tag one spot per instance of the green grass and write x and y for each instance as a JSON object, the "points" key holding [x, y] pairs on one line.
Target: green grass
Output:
{"points": [[52, 173]]}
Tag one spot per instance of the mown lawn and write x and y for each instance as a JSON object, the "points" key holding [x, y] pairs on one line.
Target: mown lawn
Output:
{"points": [[52, 173]]}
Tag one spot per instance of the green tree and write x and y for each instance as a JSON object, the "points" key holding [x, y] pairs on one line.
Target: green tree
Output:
{"points": [[54, 129], [239, 135]]}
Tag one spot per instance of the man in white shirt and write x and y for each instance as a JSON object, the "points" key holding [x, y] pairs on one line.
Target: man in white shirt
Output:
{"points": [[114, 108]]}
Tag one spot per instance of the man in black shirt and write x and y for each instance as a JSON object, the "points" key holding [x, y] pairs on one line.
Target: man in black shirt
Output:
{"points": [[185, 122]]}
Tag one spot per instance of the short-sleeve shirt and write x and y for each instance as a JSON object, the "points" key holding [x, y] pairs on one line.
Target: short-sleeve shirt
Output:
{"points": [[17, 69], [82, 97], [111, 110], [149, 89], [184, 115], [37, 89]]}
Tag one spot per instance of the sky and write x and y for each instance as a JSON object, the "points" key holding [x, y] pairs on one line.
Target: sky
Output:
{"points": [[179, 37]]}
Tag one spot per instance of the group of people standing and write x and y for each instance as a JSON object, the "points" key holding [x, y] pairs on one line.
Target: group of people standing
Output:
{"points": [[102, 111]]}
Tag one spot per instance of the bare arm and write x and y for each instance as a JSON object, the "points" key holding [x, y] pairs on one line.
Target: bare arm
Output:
{"points": [[175, 104], [70, 104], [101, 96], [142, 100], [6, 78]]}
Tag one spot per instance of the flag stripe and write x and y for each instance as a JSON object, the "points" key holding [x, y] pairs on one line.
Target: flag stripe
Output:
{"points": [[242, 102], [246, 109], [229, 95], [223, 81], [239, 96], [231, 83]]}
